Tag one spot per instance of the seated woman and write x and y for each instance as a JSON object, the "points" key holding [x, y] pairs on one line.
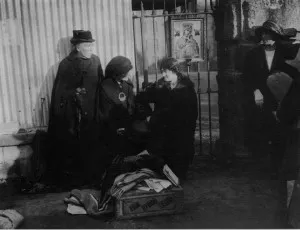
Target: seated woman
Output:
{"points": [[116, 103], [119, 118], [173, 121]]}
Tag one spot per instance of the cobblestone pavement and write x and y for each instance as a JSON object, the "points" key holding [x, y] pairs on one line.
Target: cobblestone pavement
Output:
{"points": [[238, 197]]}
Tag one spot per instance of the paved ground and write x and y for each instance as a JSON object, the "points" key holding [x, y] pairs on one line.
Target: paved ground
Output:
{"points": [[239, 197]]}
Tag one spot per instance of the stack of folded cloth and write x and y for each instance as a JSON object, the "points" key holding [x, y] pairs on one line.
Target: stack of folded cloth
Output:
{"points": [[127, 181], [10, 219], [83, 202]]}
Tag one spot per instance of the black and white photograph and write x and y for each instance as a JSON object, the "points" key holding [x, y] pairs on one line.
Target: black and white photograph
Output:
{"points": [[149, 114]]}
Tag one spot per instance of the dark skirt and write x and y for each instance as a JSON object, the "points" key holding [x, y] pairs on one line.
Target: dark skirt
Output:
{"points": [[292, 155], [294, 208]]}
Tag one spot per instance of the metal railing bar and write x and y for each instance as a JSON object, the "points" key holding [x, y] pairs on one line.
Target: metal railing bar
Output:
{"points": [[209, 101], [135, 59], [166, 15], [166, 32], [145, 68], [154, 41], [199, 110], [208, 79], [188, 63]]}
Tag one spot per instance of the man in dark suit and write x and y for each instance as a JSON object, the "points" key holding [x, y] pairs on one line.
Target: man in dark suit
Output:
{"points": [[265, 133]]}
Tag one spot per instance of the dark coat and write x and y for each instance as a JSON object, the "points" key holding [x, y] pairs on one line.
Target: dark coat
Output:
{"points": [[71, 139], [260, 124], [115, 112], [74, 72], [289, 109], [172, 124], [288, 113], [256, 70]]}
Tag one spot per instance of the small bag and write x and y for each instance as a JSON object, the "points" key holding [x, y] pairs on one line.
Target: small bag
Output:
{"points": [[279, 83]]}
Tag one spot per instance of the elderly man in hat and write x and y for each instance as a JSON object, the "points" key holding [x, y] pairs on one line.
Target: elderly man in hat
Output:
{"points": [[268, 58], [73, 116]]}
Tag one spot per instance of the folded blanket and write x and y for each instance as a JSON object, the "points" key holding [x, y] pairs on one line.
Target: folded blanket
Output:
{"points": [[79, 200], [10, 219], [82, 202], [127, 181], [76, 210]]}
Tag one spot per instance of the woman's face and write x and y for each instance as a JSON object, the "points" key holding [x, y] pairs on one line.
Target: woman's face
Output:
{"points": [[170, 76], [129, 76], [267, 38], [85, 48], [186, 33]]}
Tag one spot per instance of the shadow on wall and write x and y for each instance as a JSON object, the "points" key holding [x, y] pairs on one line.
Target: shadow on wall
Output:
{"points": [[43, 101], [26, 163]]}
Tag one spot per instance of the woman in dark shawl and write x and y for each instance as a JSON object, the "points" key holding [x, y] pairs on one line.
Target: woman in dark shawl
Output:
{"points": [[74, 118]]}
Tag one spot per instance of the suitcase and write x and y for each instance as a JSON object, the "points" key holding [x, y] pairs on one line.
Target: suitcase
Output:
{"points": [[137, 203]]}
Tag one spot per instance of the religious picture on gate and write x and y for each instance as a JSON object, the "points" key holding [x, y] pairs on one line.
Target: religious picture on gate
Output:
{"points": [[186, 39]]}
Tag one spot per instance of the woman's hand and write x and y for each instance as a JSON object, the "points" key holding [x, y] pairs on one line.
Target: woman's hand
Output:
{"points": [[121, 131], [275, 115], [259, 98]]}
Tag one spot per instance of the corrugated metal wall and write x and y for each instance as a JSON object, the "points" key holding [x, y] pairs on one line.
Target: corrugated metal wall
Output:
{"points": [[35, 36], [160, 39]]}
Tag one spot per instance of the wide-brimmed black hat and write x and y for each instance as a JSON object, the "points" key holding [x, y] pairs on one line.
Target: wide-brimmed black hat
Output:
{"points": [[80, 36], [274, 28]]}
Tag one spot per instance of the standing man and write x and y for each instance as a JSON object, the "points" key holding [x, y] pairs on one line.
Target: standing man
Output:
{"points": [[266, 133], [73, 117]]}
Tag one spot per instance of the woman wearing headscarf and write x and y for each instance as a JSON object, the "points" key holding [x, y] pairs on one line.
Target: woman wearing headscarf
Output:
{"points": [[173, 121], [117, 109], [74, 122], [117, 105]]}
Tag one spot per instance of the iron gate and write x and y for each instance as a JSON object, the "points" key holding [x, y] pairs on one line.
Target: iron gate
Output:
{"points": [[154, 38]]}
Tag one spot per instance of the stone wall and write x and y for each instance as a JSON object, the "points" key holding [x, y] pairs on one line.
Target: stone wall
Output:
{"points": [[15, 161], [16, 156]]}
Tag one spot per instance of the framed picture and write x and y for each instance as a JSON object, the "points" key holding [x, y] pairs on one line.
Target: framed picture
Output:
{"points": [[187, 39]]}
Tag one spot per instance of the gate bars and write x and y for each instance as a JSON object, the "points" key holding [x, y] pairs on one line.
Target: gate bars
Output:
{"points": [[186, 15]]}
